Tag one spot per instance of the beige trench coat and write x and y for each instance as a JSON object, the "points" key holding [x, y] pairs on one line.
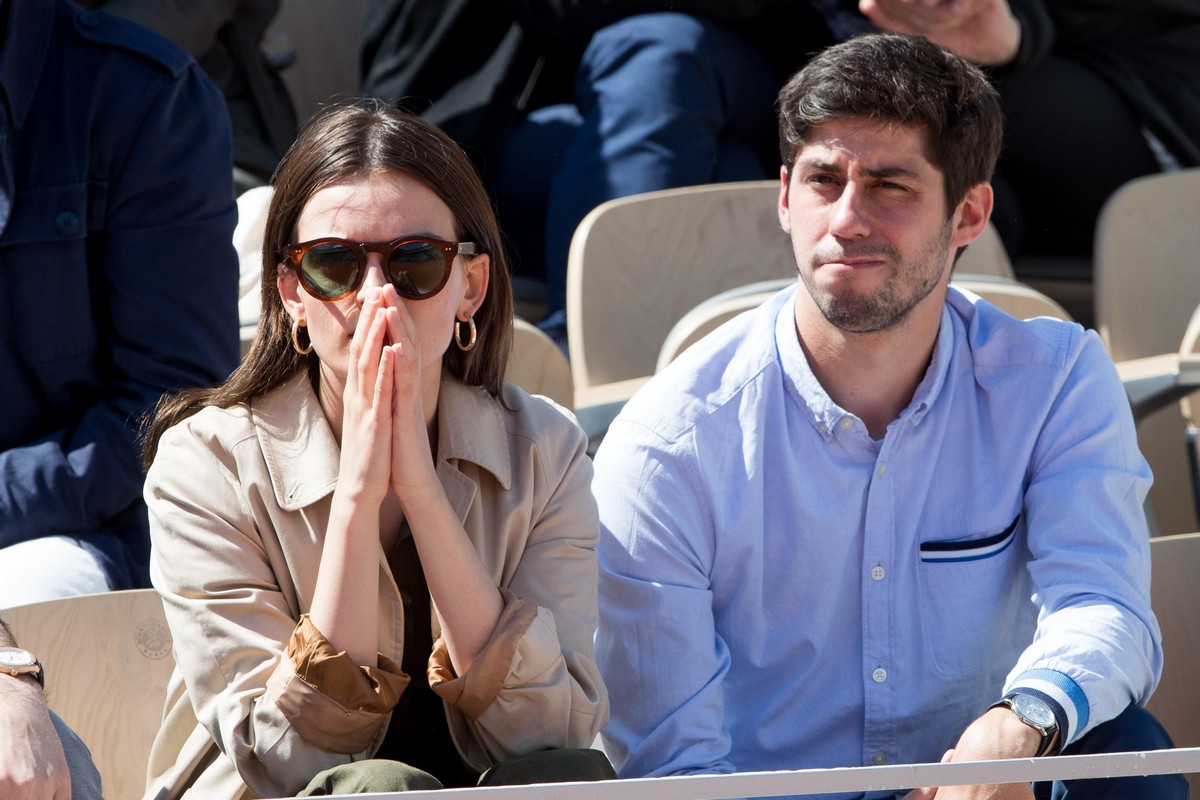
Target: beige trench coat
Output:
{"points": [[239, 500]]}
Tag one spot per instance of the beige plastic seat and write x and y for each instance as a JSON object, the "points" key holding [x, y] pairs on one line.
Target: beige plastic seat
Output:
{"points": [[107, 659], [638, 264], [1009, 295], [1191, 410], [1175, 596], [1147, 284], [538, 366]]}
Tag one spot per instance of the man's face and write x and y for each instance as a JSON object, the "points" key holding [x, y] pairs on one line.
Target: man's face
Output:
{"points": [[866, 213]]}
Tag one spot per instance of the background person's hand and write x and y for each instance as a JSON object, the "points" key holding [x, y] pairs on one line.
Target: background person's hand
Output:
{"points": [[32, 763], [982, 31]]}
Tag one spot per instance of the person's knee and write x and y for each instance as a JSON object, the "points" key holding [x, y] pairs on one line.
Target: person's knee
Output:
{"points": [[1133, 729], [551, 766], [657, 48], [85, 778], [372, 776]]}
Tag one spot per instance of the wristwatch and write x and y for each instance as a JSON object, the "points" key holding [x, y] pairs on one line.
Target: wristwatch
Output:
{"points": [[16, 661], [1037, 714]]}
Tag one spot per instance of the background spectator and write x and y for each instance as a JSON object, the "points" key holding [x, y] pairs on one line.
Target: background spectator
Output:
{"points": [[118, 279], [225, 36]]}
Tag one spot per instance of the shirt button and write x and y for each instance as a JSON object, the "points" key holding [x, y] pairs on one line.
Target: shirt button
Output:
{"points": [[878, 573], [823, 428], [879, 675], [67, 224], [881, 469], [878, 759], [845, 423]]}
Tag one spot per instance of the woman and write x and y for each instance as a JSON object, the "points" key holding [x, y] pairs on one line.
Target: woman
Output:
{"points": [[377, 559]]}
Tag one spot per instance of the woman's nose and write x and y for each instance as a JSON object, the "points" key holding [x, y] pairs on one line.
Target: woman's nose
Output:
{"points": [[375, 276]]}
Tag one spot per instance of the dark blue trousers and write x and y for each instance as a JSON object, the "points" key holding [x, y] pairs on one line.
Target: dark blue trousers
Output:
{"points": [[1135, 729]]}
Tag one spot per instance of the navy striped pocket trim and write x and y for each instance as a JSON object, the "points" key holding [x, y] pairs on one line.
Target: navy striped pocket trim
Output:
{"points": [[970, 549]]}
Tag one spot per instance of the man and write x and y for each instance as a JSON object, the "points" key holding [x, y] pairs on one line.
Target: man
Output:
{"points": [[40, 757], [877, 520], [118, 282]]}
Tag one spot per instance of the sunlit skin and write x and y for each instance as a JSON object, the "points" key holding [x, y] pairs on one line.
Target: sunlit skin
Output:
{"points": [[866, 213], [380, 373], [874, 245]]}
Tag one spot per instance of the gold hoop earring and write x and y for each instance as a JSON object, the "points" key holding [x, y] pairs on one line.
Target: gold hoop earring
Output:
{"points": [[458, 335], [296, 326]]}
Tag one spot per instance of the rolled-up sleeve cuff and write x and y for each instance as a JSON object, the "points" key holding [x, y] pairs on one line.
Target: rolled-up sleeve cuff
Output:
{"points": [[1062, 694], [474, 692], [329, 700]]}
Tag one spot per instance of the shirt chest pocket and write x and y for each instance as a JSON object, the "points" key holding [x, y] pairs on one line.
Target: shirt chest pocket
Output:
{"points": [[973, 600], [48, 282]]}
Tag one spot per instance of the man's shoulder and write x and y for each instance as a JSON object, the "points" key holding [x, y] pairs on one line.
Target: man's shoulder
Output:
{"points": [[110, 32], [710, 376], [998, 340]]}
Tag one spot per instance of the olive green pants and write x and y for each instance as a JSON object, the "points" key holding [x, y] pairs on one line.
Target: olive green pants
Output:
{"points": [[381, 775]]}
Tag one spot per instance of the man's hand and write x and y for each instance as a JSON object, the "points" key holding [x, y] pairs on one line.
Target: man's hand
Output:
{"points": [[32, 764], [982, 31], [997, 734]]}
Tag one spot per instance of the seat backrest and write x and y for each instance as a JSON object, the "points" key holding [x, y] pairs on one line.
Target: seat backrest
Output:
{"points": [[107, 659], [714, 312], [1175, 597], [1011, 296], [538, 366], [1147, 284], [1008, 295], [638, 264], [986, 256]]}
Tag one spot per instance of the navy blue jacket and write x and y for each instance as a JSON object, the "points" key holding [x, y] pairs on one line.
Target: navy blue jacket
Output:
{"points": [[118, 278]]}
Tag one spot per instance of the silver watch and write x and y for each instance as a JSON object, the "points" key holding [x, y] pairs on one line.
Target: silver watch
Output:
{"points": [[1037, 714]]}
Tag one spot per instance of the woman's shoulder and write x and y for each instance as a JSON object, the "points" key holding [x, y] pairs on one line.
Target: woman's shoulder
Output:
{"points": [[203, 441], [536, 416]]}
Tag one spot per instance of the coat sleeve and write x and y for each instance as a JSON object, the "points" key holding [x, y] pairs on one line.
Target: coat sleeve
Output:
{"points": [[536, 685], [277, 700]]}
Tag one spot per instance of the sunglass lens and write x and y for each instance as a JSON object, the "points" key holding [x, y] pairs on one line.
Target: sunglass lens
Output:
{"points": [[330, 269], [417, 268]]}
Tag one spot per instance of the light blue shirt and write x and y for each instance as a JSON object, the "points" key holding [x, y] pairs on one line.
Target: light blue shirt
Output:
{"points": [[780, 591]]}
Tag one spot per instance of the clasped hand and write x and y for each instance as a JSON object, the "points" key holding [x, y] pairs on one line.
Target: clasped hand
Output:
{"points": [[385, 437]]}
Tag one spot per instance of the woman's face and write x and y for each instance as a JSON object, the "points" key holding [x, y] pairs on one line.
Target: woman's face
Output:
{"points": [[382, 207]]}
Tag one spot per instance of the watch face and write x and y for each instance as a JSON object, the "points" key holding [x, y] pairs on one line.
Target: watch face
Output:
{"points": [[1033, 710], [12, 657]]}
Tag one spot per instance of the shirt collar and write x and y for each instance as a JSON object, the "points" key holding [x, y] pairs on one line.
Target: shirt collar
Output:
{"points": [[25, 48], [302, 454], [825, 414]]}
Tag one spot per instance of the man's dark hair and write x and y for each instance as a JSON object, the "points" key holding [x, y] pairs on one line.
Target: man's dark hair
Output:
{"points": [[904, 79]]}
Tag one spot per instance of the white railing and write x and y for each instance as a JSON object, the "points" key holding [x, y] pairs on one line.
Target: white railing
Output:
{"points": [[821, 781]]}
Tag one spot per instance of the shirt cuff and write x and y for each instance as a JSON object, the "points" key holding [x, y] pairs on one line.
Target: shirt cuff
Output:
{"points": [[331, 701], [474, 692], [1062, 694]]}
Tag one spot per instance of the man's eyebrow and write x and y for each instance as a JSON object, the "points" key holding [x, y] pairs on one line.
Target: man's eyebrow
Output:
{"points": [[890, 171], [893, 172]]}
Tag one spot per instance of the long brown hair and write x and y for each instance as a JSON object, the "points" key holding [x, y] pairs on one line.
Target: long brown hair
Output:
{"points": [[360, 137]]}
